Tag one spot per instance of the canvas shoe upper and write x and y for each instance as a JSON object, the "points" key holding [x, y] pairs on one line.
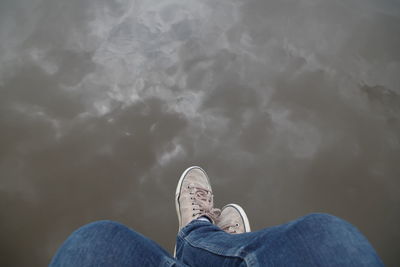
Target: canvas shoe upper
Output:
{"points": [[233, 220], [194, 197]]}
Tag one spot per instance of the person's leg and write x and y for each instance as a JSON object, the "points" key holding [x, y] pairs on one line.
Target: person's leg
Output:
{"points": [[313, 240], [107, 243]]}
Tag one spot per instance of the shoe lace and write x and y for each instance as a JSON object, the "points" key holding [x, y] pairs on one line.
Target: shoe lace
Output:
{"points": [[203, 203], [230, 228]]}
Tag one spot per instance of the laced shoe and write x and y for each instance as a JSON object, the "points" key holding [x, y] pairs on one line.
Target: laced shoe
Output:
{"points": [[234, 220], [194, 197]]}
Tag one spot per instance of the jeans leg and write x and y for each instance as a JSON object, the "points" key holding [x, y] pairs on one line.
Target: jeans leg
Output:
{"points": [[107, 243], [313, 240]]}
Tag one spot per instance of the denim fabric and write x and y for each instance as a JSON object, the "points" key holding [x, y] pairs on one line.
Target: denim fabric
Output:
{"points": [[313, 240], [108, 243]]}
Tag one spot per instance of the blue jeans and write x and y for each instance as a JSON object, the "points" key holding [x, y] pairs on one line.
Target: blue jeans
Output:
{"points": [[313, 240]]}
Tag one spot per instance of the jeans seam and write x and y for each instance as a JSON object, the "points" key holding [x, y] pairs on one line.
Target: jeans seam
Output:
{"points": [[244, 255], [182, 233], [217, 251], [219, 254], [168, 262], [250, 260]]}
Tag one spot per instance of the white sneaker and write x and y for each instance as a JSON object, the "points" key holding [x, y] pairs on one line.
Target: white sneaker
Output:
{"points": [[234, 220], [194, 198]]}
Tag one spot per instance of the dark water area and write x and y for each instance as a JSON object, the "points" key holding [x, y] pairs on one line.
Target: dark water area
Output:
{"points": [[291, 107]]}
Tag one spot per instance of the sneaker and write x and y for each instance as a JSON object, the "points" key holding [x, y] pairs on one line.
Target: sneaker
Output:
{"points": [[194, 198], [234, 220]]}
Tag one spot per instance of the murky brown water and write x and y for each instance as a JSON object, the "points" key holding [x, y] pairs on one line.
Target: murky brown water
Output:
{"points": [[291, 106]]}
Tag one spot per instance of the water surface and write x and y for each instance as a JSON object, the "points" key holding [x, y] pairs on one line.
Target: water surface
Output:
{"points": [[291, 107]]}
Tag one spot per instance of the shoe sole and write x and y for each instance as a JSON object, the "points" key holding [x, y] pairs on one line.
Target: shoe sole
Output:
{"points": [[178, 193], [242, 214]]}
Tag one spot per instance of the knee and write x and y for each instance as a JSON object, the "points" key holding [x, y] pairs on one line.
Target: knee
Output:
{"points": [[103, 224], [324, 236], [99, 231], [104, 242], [322, 219], [100, 226], [326, 225]]}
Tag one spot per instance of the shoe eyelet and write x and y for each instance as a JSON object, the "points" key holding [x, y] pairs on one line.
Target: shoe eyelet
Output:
{"points": [[193, 215], [237, 224]]}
